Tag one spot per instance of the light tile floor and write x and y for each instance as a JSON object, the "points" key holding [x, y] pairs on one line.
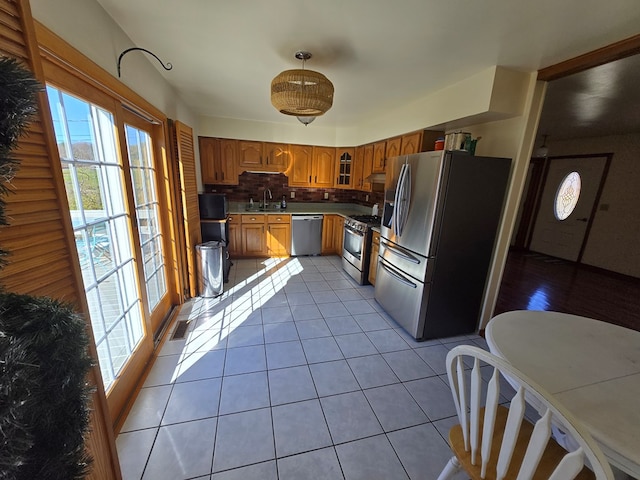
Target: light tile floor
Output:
{"points": [[295, 372]]}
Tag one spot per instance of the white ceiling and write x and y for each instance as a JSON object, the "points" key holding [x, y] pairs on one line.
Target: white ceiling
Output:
{"points": [[377, 53]]}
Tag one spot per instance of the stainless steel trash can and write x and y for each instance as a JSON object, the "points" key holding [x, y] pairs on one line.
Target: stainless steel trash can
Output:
{"points": [[210, 274]]}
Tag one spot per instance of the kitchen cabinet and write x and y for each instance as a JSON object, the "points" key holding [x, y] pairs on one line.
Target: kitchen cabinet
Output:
{"points": [[278, 235], [411, 143], [235, 236], [301, 158], [379, 158], [312, 166], [373, 263], [262, 156], [392, 148], [367, 167], [249, 155], [218, 158], [332, 234], [344, 168], [276, 155], [322, 166], [253, 236]]}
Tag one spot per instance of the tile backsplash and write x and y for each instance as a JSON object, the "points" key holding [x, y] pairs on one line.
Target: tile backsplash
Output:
{"points": [[252, 185]]}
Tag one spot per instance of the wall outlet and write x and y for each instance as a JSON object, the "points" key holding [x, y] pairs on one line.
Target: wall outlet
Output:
{"points": [[326, 195], [366, 198], [293, 194]]}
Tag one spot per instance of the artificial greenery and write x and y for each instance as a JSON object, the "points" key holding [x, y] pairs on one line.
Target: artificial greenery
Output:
{"points": [[18, 91], [44, 395]]}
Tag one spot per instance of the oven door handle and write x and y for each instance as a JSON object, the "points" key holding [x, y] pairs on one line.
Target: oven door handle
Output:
{"points": [[397, 276], [353, 232], [405, 256]]}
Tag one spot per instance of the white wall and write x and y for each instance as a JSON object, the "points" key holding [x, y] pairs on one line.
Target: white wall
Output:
{"points": [[614, 239], [89, 29]]}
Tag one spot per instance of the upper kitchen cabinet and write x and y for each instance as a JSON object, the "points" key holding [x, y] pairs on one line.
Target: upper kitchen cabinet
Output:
{"points": [[411, 143], [379, 158], [262, 156], [392, 148], [301, 158], [276, 156], [249, 155], [312, 166], [345, 165], [323, 162], [218, 158]]}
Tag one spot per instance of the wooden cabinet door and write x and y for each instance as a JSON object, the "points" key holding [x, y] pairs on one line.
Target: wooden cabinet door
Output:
{"points": [[279, 239], [373, 264], [367, 167], [250, 154], [344, 168], [338, 233], [411, 143], [327, 235], [208, 157], [392, 148], [301, 156], [378, 157], [275, 156], [323, 162], [235, 240], [226, 164], [253, 240], [358, 164]]}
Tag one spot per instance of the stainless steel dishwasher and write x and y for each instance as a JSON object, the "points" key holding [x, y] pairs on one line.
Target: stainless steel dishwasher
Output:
{"points": [[306, 235]]}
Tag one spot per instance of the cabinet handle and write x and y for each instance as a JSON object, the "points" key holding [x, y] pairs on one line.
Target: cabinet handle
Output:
{"points": [[309, 178], [216, 175], [267, 159], [222, 175], [253, 218], [315, 179]]}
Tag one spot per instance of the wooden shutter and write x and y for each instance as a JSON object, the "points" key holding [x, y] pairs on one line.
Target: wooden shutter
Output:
{"points": [[39, 235], [189, 194]]}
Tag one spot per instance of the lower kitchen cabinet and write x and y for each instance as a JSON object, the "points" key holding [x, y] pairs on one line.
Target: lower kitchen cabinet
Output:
{"points": [[254, 242], [279, 235], [234, 246], [373, 264], [332, 234]]}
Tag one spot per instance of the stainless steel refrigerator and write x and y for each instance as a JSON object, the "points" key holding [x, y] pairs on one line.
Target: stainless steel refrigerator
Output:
{"points": [[440, 219]]}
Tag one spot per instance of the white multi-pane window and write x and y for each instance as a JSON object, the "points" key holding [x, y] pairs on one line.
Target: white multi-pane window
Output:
{"points": [[94, 181], [147, 212]]}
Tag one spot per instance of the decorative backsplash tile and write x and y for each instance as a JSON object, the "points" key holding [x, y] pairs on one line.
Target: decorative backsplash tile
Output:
{"points": [[252, 185]]}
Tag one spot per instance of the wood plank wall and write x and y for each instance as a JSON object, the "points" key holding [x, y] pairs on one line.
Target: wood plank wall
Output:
{"points": [[189, 193], [39, 234]]}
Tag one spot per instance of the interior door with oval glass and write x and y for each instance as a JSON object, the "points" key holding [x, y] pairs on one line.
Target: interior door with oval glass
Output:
{"points": [[566, 205]]}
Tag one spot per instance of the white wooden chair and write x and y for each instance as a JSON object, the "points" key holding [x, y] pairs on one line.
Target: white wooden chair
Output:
{"points": [[496, 442]]}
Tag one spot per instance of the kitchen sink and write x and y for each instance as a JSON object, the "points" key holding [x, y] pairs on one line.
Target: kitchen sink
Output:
{"points": [[268, 208]]}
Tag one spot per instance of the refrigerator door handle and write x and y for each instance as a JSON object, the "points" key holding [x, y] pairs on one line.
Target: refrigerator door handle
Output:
{"points": [[405, 197], [397, 276], [396, 251], [394, 215]]}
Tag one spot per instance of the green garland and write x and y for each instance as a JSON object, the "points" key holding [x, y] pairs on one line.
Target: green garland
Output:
{"points": [[44, 395]]}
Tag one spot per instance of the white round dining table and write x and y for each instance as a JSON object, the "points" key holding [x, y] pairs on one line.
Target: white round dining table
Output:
{"points": [[590, 366]]}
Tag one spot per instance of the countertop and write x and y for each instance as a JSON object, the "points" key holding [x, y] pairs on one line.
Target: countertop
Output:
{"points": [[344, 209]]}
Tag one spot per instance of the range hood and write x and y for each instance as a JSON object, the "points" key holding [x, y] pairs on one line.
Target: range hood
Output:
{"points": [[376, 178]]}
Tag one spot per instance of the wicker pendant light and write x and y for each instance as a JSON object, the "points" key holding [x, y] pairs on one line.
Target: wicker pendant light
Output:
{"points": [[302, 93]]}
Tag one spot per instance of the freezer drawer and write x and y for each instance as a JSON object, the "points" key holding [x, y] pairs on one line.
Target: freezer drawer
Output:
{"points": [[402, 297]]}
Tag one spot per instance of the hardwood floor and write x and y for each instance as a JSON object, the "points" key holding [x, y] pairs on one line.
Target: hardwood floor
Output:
{"points": [[533, 281]]}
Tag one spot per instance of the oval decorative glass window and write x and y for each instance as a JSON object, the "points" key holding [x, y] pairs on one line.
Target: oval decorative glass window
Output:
{"points": [[567, 195]]}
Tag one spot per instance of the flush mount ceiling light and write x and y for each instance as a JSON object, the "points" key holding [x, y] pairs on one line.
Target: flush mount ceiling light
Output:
{"points": [[302, 93]]}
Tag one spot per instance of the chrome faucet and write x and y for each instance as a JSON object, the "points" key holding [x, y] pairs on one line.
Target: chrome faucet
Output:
{"points": [[264, 197]]}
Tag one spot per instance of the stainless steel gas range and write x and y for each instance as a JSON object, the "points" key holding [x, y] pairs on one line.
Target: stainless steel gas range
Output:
{"points": [[356, 248]]}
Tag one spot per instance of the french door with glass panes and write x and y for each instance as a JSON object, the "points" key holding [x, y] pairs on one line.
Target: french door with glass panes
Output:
{"points": [[111, 183]]}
